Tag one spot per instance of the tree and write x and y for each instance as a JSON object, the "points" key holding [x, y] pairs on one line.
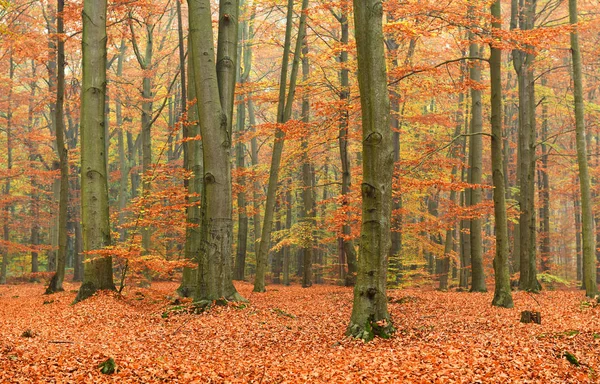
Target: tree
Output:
{"points": [[97, 274], [475, 162], [9, 165], [244, 65], [524, 14], [193, 162], [308, 199], [214, 83], [63, 155], [346, 245], [502, 294], [587, 218], [370, 316]]}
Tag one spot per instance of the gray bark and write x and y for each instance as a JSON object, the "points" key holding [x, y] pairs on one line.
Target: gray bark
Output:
{"points": [[57, 279], [523, 62], [370, 316], [98, 272], [587, 218], [502, 293], [476, 157], [308, 199], [214, 82]]}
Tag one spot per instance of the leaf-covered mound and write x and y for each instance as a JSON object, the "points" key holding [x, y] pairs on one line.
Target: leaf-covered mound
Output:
{"points": [[292, 334]]}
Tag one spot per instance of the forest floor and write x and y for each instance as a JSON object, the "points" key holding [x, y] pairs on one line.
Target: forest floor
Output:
{"points": [[290, 334]]}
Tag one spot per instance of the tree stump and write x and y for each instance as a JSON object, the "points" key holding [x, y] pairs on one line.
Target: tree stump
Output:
{"points": [[531, 317]]}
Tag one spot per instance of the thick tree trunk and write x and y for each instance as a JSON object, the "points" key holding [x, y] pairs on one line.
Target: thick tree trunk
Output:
{"points": [[57, 279], [502, 293], [284, 112], [98, 272], [587, 218], [215, 85], [370, 316]]}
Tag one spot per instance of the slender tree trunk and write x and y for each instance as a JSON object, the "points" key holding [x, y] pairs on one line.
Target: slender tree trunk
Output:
{"points": [[370, 316], [7, 184], [123, 162], [98, 272], [578, 245], [347, 250], [308, 209], [256, 185], [502, 293], [449, 240], [193, 163], [465, 254], [240, 261], [287, 249], [476, 157], [61, 256], [587, 218], [146, 65], [277, 258], [544, 182], [524, 14], [244, 55], [284, 112], [214, 82]]}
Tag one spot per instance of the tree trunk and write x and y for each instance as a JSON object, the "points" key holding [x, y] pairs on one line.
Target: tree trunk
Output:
{"points": [[465, 237], [277, 258], [544, 183], [146, 65], [240, 261], [587, 218], [370, 316], [308, 199], [347, 245], [476, 158], [56, 282], [7, 184], [578, 250], [123, 162], [284, 112], [193, 163], [522, 62], [449, 240], [245, 55], [98, 272], [215, 85], [502, 293]]}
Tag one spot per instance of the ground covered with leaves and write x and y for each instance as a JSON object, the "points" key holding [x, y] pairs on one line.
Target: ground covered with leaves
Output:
{"points": [[290, 334]]}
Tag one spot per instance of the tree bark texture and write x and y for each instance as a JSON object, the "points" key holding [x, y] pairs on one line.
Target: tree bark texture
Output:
{"points": [[370, 315]]}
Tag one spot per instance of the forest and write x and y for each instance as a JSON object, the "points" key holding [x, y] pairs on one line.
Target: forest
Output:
{"points": [[300, 191]]}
